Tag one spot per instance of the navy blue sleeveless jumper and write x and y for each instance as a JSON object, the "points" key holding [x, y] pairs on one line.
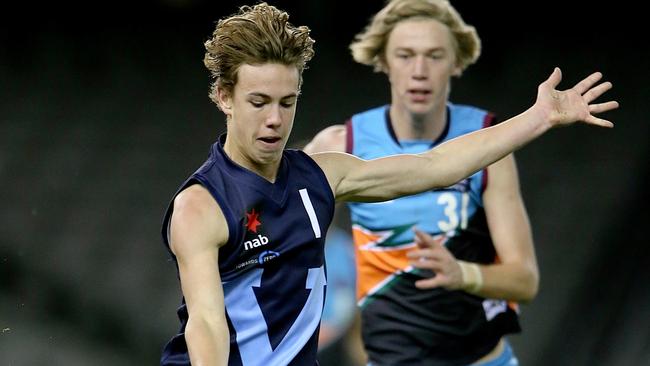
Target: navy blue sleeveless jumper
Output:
{"points": [[273, 265]]}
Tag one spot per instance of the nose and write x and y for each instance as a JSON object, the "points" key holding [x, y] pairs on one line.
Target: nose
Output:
{"points": [[420, 68], [274, 118]]}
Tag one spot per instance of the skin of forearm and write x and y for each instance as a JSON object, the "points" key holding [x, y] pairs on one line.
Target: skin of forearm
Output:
{"points": [[461, 157], [509, 281], [208, 344]]}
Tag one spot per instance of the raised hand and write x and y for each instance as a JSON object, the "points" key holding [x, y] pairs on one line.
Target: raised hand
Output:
{"points": [[564, 107]]}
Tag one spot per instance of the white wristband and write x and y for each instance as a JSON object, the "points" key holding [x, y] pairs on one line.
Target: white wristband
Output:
{"points": [[472, 276]]}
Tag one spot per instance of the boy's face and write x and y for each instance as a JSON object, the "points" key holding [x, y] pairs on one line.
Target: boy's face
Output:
{"points": [[260, 113], [420, 60]]}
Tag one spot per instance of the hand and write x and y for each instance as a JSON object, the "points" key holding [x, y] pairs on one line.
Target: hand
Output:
{"points": [[561, 108], [433, 255]]}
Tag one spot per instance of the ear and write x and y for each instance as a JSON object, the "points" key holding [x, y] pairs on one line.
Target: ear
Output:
{"points": [[225, 100]]}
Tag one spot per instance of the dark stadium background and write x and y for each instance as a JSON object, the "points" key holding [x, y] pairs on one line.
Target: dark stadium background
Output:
{"points": [[104, 110]]}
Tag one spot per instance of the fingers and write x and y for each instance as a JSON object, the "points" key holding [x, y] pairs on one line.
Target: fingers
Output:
{"points": [[587, 83], [588, 90], [421, 240], [555, 78], [599, 122], [425, 258], [596, 91], [428, 283], [426, 263], [424, 240], [599, 108], [421, 235], [602, 107], [591, 95], [432, 259]]}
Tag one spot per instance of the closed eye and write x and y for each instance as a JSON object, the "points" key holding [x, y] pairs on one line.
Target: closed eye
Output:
{"points": [[288, 102]]}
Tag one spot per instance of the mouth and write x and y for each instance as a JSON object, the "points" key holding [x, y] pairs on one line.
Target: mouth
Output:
{"points": [[419, 95], [270, 141]]}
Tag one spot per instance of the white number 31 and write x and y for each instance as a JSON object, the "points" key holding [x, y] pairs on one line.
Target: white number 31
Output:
{"points": [[452, 211]]}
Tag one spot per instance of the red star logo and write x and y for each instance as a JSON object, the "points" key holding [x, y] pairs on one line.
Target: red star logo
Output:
{"points": [[252, 222]]}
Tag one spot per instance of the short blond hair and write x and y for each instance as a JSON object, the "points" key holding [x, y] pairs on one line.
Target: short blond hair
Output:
{"points": [[254, 36], [369, 46]]}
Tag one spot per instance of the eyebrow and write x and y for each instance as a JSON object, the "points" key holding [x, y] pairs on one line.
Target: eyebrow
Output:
{"points": [[266, 96], [410, 49]]}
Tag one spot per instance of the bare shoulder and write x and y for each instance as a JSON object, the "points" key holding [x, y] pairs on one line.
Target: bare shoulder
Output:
{"points": [[332, 138], [195, 201], [197, 220]]}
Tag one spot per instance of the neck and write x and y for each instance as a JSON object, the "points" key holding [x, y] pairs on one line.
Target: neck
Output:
{"points": [[266, 170], [409, 126]]}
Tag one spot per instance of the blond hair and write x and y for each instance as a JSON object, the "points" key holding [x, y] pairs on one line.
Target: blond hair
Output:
{"points": [[254, 36], [369, 46]]}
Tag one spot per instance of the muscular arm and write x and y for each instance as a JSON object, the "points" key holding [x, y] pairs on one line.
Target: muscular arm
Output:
{"points": [[516, 276], [198, 229], [354, 179]]}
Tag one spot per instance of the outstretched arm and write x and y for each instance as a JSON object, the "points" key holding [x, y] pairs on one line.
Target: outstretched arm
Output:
{"points": [[198, 229], [354, 179]]}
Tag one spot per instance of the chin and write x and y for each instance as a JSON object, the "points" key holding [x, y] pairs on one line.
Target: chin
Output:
{"points": [[268, 157], [420, 110]]}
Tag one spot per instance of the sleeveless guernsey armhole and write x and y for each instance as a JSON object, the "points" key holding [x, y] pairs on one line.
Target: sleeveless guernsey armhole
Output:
{"points": [[349, 136], [484, 180], [488, 121], [167, 218], [321, 173], [225, 209]]}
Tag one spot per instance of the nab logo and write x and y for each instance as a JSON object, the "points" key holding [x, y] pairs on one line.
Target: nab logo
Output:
{"points": [[256, 243], [252, 222]]}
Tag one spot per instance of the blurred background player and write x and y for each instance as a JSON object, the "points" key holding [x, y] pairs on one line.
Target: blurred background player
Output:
{"points": [[480, 227]]}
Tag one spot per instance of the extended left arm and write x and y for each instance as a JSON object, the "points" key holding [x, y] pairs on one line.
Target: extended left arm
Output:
{"points": [[353, 179]]}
